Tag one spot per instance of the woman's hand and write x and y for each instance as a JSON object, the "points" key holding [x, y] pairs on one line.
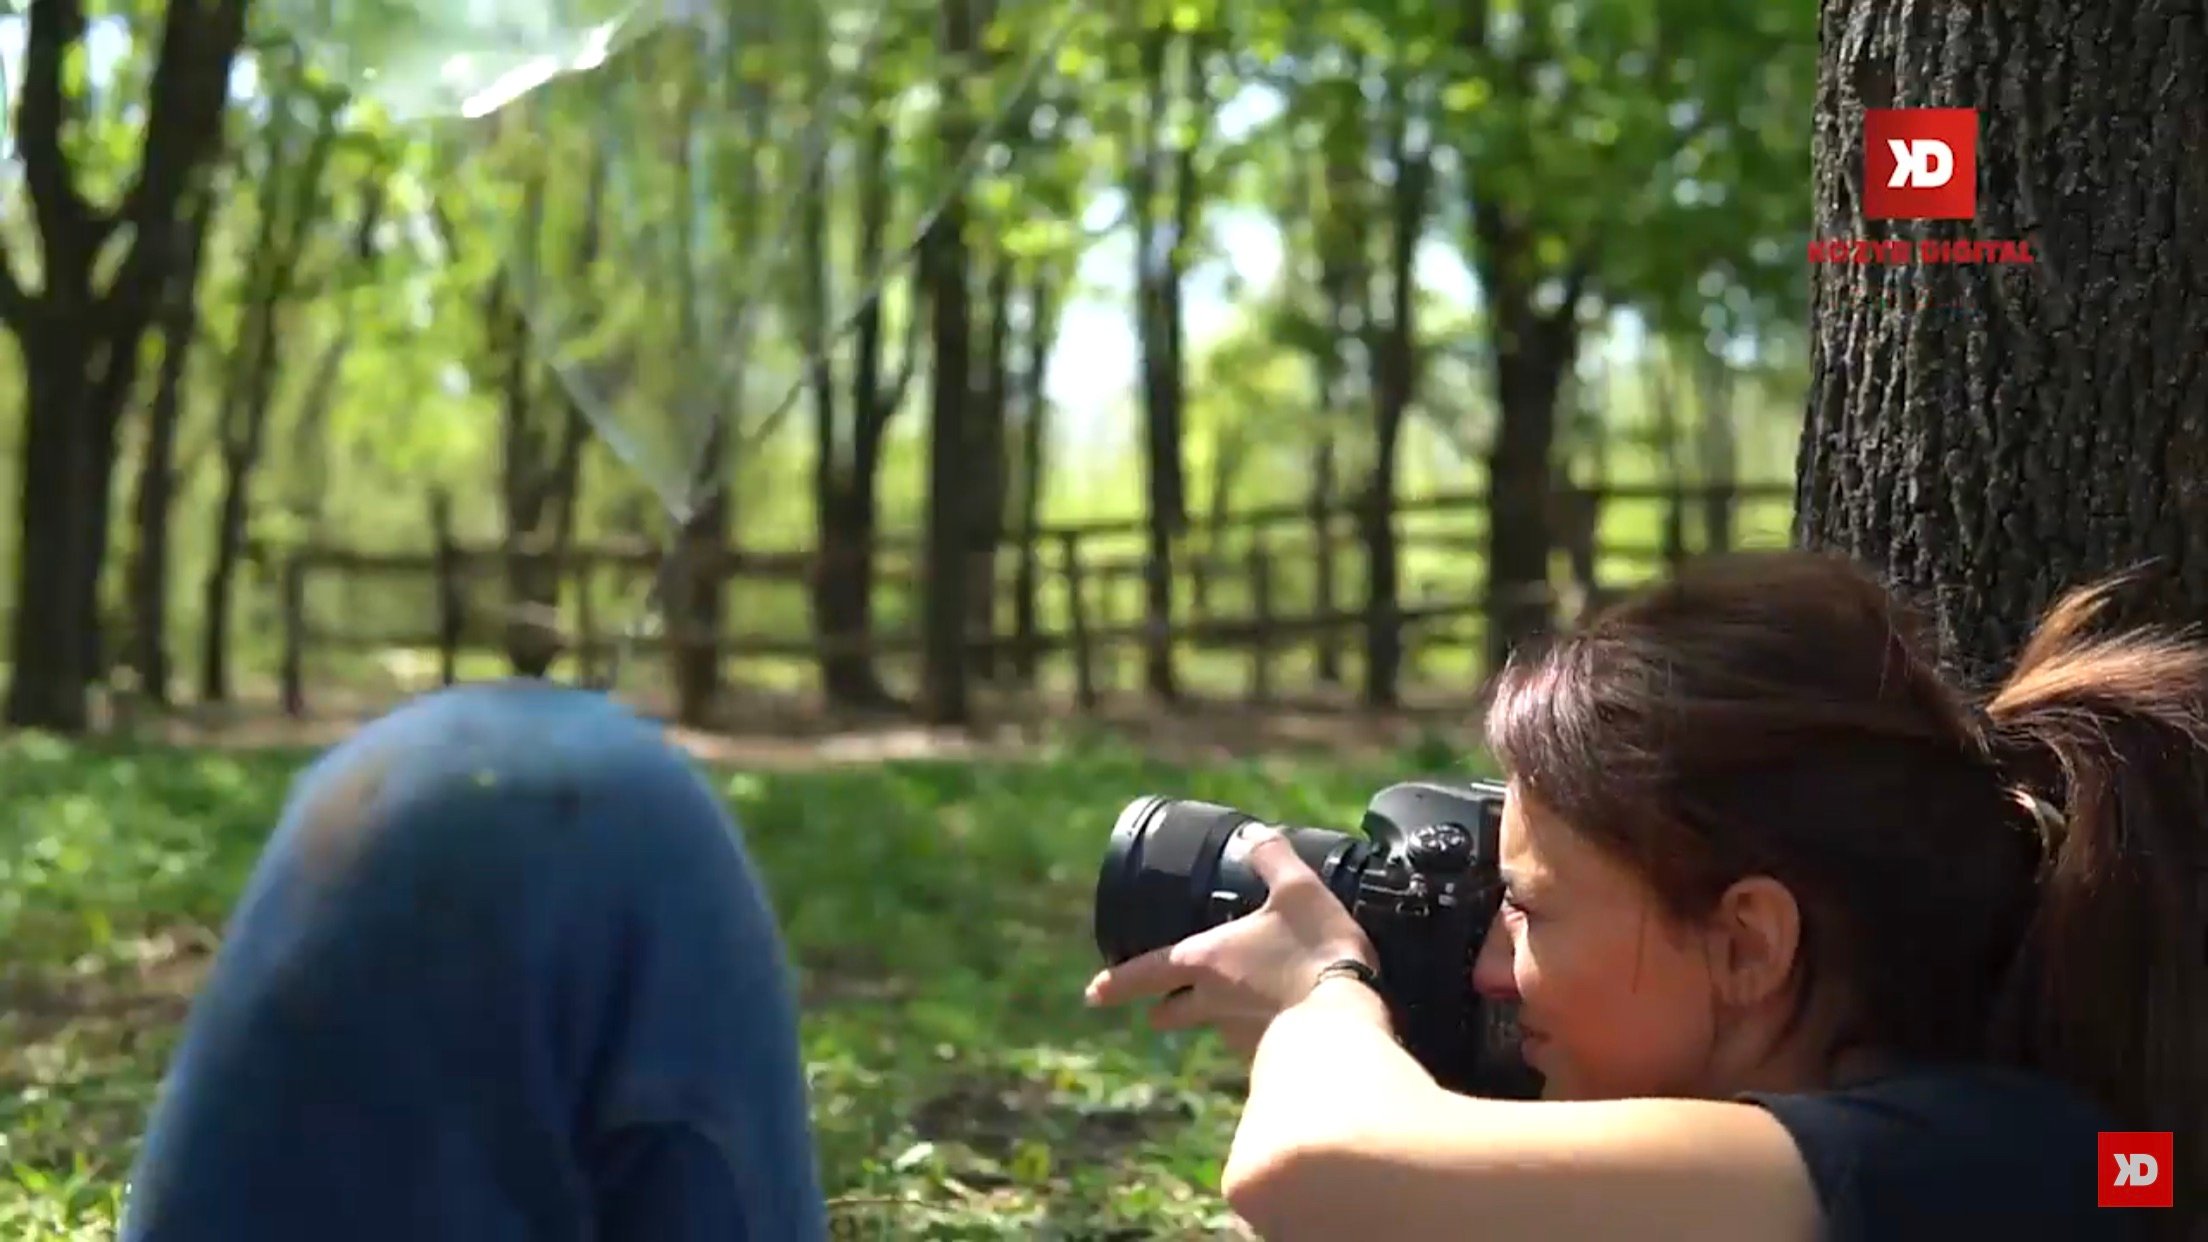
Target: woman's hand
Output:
{"points": [[1238, 976]]}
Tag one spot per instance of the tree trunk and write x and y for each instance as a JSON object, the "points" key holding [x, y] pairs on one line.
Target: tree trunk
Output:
{"points": [[1340, 225], [847, 467], [944, 695], [698, 572], [311, 469], [1717, 444], [1533, 350], [541, 448], [2058, 431], [1324, 559], [154, 496], [1670, 451], [1395, 382], [81, 344], [989, 468], [60, 535], [1042, 319], [1158, 251], [272, 275], [698, 578]]}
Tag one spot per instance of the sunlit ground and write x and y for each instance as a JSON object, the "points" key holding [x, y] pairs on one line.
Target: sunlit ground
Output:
{"points": [[939, 911]]}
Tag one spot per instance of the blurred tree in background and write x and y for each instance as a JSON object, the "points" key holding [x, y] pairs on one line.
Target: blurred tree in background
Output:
{"points": [[866, 300]]}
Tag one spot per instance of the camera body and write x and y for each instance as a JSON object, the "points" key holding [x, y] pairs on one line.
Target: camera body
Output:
{"points": [[1420, 878]]}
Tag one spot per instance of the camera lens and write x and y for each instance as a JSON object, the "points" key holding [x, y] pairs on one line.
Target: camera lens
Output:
{"points": [[1174, 867]]}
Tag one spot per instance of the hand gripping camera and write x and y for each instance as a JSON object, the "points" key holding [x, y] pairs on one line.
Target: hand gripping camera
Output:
{"points": [[1421, 881]]}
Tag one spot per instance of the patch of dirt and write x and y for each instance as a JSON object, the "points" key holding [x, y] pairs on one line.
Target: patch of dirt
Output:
{"points": [[845, 976], [81, 1046], [992, 1113], [154, 984], [786, 732]]}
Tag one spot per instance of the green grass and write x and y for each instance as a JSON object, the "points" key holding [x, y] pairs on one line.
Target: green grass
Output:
{"points": [[938, 913]]}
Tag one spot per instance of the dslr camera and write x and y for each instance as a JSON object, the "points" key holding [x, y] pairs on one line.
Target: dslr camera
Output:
{"points": [[1420, 877]]}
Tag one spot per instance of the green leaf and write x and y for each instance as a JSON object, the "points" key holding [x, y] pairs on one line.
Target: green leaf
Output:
{"points": [[1467, 95]]}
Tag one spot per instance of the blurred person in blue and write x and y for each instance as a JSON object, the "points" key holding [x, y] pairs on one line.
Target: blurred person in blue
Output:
{"points": [[505, 971]]}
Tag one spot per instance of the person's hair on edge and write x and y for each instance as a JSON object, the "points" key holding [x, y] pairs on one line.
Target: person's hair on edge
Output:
{"points": [[2017, 880]]}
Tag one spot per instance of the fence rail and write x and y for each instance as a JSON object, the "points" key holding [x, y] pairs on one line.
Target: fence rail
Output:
{"points": [[1243, 588]]}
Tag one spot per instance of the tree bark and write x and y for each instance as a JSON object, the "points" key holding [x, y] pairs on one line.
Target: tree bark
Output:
{"points": [[1160, 250], [1339, 225], [1533, 350], [81, 343], [944, 698], [2056, 429], [154, 496], [989, 468], [1717, 448], [541, 458], [1670, 450], [1034, 405], [1395, 382], [272, 274], [697, 574], [848, 451]]}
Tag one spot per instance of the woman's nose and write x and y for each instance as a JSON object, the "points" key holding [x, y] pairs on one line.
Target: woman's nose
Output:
{"points": [[1492, 976]]}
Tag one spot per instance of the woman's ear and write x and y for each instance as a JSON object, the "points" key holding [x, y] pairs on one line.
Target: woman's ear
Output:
{"points": [[1755, 932]]}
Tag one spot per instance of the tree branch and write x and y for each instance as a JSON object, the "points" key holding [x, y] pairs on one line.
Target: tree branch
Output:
{"points": [[15, 305], [184, 109], [190, 91], [893, 396], [69, 230]]}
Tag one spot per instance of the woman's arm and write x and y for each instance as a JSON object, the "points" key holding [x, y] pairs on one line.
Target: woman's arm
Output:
{"points": [[1343, 1131]]}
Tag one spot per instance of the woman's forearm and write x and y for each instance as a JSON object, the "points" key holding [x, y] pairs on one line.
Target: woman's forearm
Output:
{"points": [[1341, 1021], [1327, 1070], [1344, 1130]]}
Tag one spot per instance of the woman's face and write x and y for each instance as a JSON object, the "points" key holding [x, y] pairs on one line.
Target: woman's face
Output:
{"points": [[1615, 999]]}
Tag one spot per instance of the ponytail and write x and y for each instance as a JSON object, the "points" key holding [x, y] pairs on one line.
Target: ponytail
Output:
{"points": [[2106, 738]]}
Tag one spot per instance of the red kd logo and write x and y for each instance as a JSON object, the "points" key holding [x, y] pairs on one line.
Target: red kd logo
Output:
{"points": [[2135, 1169], [1920, 163]]}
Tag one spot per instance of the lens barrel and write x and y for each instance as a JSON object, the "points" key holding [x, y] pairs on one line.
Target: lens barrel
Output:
{"points": [[1174, 867]]}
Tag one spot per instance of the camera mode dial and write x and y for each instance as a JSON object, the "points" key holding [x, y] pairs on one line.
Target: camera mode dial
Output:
{"points": [[1445, 848]]}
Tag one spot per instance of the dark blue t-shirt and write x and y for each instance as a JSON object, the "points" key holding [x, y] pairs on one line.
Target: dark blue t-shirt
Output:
{"points": [[1941, 1153]]}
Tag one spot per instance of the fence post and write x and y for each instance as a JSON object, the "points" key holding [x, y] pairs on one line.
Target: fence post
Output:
{"points": [[1720, 516], [586, 620], [1103, 621], [1084, 672], [449, 619], [1199, 561], [293, 602], [1327, 640], [1261, 632]]}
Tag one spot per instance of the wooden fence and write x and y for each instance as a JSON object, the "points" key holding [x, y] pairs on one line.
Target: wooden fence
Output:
{"points": [[1244, 590]]}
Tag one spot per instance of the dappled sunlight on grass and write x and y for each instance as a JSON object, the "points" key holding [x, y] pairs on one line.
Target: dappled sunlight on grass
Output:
{"points": [[938, 913]]}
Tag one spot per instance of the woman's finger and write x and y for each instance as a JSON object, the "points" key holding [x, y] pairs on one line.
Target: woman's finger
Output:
{"points": [[1181, 1010], [1275, 861], [1152, 974]]}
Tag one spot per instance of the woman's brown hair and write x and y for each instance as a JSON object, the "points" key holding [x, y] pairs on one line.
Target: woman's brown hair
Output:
{"points": [[2018, 879]]}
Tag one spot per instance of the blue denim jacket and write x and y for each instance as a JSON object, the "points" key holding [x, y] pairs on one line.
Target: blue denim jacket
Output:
{"points": [[504, 972]]}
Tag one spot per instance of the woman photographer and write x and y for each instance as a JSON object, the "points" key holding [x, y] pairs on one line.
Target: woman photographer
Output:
{"points": [[1806, 943]]}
